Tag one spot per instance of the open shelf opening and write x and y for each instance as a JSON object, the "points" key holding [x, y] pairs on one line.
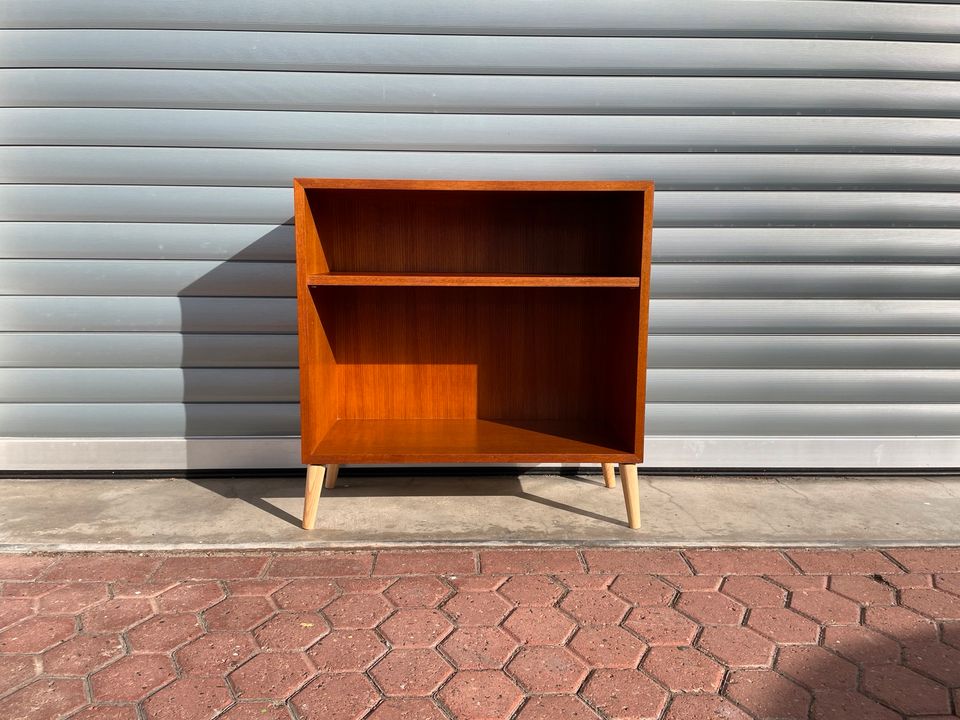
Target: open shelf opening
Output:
{"points": [[476, 232], [497, 374]]}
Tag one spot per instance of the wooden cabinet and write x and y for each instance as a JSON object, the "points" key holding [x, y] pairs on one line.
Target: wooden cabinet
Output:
{"points": [[461, 321]]}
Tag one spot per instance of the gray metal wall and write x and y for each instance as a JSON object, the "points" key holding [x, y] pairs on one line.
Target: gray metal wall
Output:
{"points": [[806, 285]]}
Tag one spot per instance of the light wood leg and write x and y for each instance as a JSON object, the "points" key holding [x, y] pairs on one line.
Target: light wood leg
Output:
{"points": [[609, 475], [311, 498], [330, 481], [631, 493]]}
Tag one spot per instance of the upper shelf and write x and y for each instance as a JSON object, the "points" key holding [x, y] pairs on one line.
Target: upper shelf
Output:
{"points": [[471, 280]]}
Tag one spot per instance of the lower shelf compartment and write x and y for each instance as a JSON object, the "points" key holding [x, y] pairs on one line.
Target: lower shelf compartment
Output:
{"points": [[412, 441]]}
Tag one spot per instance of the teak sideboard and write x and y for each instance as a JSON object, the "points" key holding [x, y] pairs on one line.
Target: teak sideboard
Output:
{"points": [[460, 321]]}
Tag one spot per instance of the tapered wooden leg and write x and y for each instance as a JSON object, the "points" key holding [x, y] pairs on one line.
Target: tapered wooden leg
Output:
{"points": [[311, 498], [631, 493], [609, 476], [330, 481]]}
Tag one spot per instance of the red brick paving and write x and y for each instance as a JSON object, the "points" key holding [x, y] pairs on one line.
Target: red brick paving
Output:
{"points": [[505, 634]]}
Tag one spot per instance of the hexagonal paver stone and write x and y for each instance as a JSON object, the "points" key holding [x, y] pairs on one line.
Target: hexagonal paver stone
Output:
{"points": [[164, 633], [841, 704], [816, 668], [861, 644], [737, 646], [416, 627], [479, 648], [72, 599], [347, 651], [104, 567], [238, 613], [23, 567], [81, 654], [417, 591], [900, 623], [767, 694], [36, 634], [905, 691], [863, 589], [702, 707], [531, 590], [291, 631], [783, 626], [271, 676], [336, 696], [190, 597], [13, 610], [214, 567], [407, 709], [474, 609], [554, 707], [547, 670], [131, 678], [936, 660], [595, 607], [360, 585], [262, 588], [306, 594], [15, 670], [711, 608], [481, 695], [826, 607], [935, 604], [116, 615], [539, 626], [256, 711], [608, 646], [197, 698], [683, 669], [754, 591], [353, 612], [661, 626], [643, 590], [108, 712], [413, 672], [625, 695], [216, 654], [44, 699]]}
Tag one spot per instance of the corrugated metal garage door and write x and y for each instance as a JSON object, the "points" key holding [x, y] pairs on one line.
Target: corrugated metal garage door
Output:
{"points": [[806, 288]]}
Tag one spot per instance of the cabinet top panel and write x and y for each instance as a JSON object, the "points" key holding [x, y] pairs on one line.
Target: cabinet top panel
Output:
{"points": [[513, 185]]}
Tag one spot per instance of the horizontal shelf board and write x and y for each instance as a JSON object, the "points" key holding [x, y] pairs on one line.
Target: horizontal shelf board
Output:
{"points": [[465, 441], [471, 280]]}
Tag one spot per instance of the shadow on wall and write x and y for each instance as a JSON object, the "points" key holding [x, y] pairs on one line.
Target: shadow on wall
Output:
{"points": [[239, 354]]}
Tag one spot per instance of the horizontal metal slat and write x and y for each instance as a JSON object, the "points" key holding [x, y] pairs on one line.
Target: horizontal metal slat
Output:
{"points": [[668, 317], [276, 385], [183, 278], [521, 17], [801, 419], [702, 385], [783, 280], [146, 350], [270, 206], [475, 54], [804, 352], [519, 133], [147, 241], [672, 171], [148, 385], [370, 92], [107, 420], [256, 243], [148, 314]]}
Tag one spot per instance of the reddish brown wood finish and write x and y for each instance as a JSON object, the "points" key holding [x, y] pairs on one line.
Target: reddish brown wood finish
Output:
{"points": [[472, 321]]}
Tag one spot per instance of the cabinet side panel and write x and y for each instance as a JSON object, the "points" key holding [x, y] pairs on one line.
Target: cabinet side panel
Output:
{"points": [[318, 370], [646, 245]]}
